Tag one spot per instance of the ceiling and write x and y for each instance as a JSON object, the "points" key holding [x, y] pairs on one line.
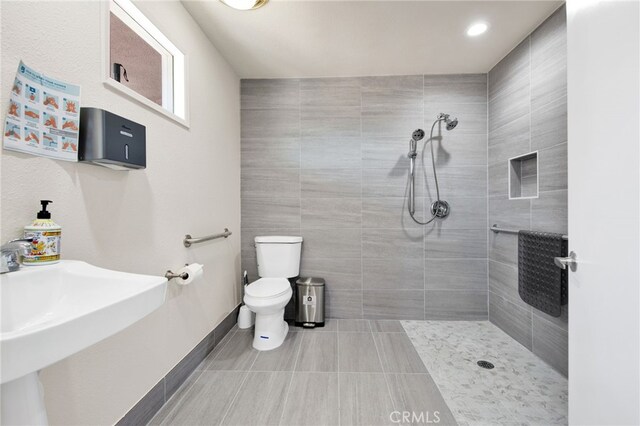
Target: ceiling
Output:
{"points": [[306, 38]]}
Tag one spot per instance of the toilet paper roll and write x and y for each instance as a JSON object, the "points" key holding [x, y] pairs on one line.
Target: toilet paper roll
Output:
{"points": [[193, 271]]}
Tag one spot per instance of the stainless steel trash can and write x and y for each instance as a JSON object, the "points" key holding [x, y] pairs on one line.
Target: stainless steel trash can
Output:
{"points": [[310, 302]]}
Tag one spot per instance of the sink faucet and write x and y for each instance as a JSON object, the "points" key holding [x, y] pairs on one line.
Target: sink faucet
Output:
{"points": [[9, 254]]}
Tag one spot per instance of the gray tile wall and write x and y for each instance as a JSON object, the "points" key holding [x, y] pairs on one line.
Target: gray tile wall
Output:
{"points": [[528, 112], [327, 159]]}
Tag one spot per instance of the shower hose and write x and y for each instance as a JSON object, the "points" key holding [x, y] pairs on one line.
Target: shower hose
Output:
{"points": [[435, 178]]}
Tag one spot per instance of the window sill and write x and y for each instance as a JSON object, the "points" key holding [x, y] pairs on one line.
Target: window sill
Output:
{"points": [[117, 87]]}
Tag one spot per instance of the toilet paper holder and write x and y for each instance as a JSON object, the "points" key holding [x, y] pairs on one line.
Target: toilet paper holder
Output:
{"points": [[185, 275], [171, 275]]}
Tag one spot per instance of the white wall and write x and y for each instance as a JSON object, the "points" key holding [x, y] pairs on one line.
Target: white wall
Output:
{"points": [[604, 199], [131, 221]]}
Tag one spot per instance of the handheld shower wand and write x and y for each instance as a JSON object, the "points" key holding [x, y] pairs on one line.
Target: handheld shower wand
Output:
{"points": [[417, 135], [439, 208]]}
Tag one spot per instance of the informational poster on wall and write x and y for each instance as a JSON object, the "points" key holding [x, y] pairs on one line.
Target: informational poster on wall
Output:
{"points": [[43, 117]]}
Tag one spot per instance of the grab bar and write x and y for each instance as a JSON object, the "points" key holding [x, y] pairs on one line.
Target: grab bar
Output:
{"points": [[188, 239], [497, 230]]}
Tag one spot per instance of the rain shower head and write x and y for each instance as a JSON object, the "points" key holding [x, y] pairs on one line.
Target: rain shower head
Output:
{"points": [[450, 122], [417, 135]]}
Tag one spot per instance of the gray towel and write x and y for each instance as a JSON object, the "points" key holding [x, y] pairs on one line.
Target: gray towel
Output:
{"points": [[541, 283]]}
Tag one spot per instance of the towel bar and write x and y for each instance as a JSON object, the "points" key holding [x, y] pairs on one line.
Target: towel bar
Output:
{"points": [[497, 230]]}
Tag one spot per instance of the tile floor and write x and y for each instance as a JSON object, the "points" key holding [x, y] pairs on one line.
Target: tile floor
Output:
{"points": [[360, 372], [521, 389], [351, 372]]}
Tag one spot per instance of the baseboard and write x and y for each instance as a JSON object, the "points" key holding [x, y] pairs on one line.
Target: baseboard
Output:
{"points": [[150, 404]]}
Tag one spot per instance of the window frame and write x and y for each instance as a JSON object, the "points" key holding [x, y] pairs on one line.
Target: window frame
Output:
{"points": [[175, 105]]}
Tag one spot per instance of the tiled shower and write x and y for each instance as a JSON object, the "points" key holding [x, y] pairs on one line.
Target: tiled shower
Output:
{"points": [[327, 159], [335, 171], [528, 113]]}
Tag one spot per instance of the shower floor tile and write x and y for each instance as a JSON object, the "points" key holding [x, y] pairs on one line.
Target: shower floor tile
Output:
{"points": [[521, 389]]}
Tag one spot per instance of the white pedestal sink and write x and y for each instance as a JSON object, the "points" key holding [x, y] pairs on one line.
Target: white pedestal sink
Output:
{"points": [[53, 311]]}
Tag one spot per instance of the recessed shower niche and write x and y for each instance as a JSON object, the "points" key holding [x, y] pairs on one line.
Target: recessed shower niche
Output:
{"points": [[523, 176]]}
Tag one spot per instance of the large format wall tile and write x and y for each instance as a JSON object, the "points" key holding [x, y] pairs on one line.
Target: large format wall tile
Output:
{"points": [[470, 305], [505, 108], [456, 274], [459, 182], [508, 213], [271, 212], [392, 242], [331, 213], [393, 304], [270, 123], [455, 243], [549, 60], [340, 273], [276, 183], [498, 181], [324, 92], [388, 273], [332, 242], [510, 140], [388, 212], [503, 281], [392, 93], [330, 122], [549, 212], [391, 106], [327, 183], [388, 124], [270, 153], [552, 168], [385, 153], [512, 319], [503, 248], [343, 304], [389, 183], [459, 149], [551, 344], [330, 153], [269, 94], [549, 124], [326, 158], [459, 89], [528, 112], [509, 71]]}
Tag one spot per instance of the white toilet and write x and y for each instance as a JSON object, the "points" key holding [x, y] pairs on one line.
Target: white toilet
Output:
{"points": [[278, 259]]}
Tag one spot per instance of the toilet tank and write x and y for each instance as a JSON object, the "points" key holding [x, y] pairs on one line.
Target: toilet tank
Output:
{"points": [[278, 257]]}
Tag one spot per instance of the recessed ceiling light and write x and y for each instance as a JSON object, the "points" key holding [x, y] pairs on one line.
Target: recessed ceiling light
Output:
{"points": [[245, 4], [477, 29]]}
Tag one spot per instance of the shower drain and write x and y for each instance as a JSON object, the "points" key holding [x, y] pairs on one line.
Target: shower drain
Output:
{"points": [[485, 364]]}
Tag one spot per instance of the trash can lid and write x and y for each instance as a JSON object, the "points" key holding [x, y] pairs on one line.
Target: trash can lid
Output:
{"points": [[310, 281]]}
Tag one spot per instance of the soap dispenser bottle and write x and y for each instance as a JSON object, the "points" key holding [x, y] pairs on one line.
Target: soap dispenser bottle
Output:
{"points": [[46, 235]]}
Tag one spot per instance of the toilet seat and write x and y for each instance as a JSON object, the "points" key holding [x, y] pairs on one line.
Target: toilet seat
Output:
{"points": [[266, 288]]}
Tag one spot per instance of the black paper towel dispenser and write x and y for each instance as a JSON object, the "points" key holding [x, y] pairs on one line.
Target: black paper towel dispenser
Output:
{"points": [[112, 141]]}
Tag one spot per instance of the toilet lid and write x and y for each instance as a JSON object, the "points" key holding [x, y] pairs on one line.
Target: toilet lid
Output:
{"points": [[268, 287]]}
